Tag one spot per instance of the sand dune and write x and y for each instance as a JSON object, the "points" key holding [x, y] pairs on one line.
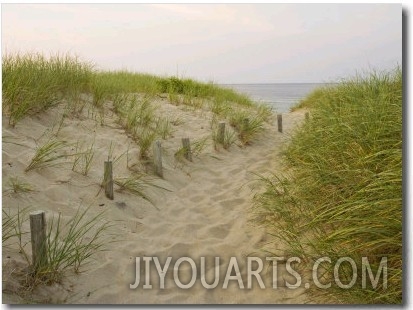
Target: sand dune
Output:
{"points": [[205, 212]]}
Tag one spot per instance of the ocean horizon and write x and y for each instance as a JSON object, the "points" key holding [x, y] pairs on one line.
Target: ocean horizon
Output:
{"points": [[280, 96]]}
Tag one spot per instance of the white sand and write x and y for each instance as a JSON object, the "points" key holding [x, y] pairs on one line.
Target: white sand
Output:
{"points": [[205, 213]]}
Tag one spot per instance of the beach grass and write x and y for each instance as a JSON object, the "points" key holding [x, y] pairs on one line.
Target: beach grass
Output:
{"points": [[341, 194], [11, 225], [137, 184], [69, 244], [16, 185], [83, 158], [32, 82], [48, 154]]}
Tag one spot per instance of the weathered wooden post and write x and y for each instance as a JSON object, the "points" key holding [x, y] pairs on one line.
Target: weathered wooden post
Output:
{"points": [[221, 132], [307, 116], [157, 158], [108, 179], [280, 122], [187, 148], [38, 239]]}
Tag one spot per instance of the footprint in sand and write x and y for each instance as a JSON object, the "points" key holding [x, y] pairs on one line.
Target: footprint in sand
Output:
{"points": [[185, 230], [236, 171], [135, 226], [218, 231], [219, 181], [181, 249], [197, 199]]}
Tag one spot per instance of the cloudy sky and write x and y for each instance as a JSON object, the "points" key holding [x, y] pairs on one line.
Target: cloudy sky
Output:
{"points": [[224, 43]]}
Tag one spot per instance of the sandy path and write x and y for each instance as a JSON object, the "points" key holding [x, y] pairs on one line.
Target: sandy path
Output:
{"points": [[205, 215]]}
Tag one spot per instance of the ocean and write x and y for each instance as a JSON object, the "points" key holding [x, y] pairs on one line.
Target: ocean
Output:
{"points": [[281, 96]]}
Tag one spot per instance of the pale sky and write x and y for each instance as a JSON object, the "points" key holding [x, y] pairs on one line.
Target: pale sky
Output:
{"points": [[223, 43]]}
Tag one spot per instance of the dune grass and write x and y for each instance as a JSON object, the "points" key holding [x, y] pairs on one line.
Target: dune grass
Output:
{"points": [[343, 193], [83, 158], [16, 185], [12, 226], [32, 82], [69, 244], [48, 154], [137, 184]]}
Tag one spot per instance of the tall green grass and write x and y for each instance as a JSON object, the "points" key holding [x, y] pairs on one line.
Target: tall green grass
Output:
{"points": [[343, 193], [32, 82], [69, 244]]}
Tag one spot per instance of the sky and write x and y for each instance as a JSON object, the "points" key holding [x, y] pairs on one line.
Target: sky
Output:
{"points": [[223, 43]]}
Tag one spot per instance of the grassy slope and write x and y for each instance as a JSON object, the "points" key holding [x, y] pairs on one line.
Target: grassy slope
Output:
{"points": [[32, 83], [343, 194]]}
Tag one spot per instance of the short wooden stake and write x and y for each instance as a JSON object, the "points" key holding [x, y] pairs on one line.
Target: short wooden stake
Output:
{"points": [[280, 122], [307, 116], [187, 148], [38, 238], [108, 179], [157, 158], [221, 132]]}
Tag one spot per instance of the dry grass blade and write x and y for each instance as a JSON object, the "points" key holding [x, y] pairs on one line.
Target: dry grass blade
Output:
{"points": [[47, 155], [11, 224], [137, 184], [83, 159], [16, 186]]}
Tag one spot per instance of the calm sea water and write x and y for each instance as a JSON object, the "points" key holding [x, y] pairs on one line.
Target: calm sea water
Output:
{"points": [[280, 96]]}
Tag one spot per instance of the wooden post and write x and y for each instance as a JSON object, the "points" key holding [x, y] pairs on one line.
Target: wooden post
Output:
{"points": [[157, 158], [38, 238], [280, 122], [221, 132], [307, 116], [108, 179], [187, 148]]}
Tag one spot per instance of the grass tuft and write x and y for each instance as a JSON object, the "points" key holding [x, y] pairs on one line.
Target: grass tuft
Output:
{"points": [[32, 83], [17, 186], [137, 185], [82, 159], [48, 155], [69, 245]]}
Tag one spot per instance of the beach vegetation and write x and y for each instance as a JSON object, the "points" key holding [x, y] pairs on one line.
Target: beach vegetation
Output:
{"points": [[228, 139], [341, 192], [49, 154], [83, 158], [137, 184], [16, 185], [33, 82], [69, 244], [11, 225], [199, 145], [246, 125], [163, 127], [145, 141]]}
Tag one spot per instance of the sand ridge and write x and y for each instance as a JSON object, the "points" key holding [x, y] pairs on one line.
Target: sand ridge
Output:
{"points": [[204, 213]]}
